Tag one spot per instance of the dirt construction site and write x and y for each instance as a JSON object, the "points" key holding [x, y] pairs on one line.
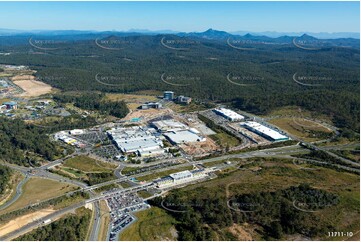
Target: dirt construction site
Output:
{"points": [[31, 87], [23, 220]]}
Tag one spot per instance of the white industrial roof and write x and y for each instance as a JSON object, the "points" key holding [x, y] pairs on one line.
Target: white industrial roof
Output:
{"points": [[131, 139], [136, 144], [265, 130], [183, 136], [181, 174], [229, 113]]}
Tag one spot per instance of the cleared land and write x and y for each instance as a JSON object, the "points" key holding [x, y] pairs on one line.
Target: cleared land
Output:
{"points": [[133, 101], [294, 111], [152, 224], [105, 221], [302, 128], [37, 190], [23, 220], [32, 87]]}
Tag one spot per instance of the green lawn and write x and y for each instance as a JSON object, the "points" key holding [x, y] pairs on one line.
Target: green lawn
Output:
{"points": [[87, 164], [225, 139], [152, 224]]}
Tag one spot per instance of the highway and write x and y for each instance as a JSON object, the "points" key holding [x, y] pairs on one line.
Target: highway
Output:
{"points": [[39, 223], [282, 152], [276, 152], [59, 213]]}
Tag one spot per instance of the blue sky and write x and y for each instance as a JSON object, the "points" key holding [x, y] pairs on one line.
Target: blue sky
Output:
{"points": [[183, 16]]}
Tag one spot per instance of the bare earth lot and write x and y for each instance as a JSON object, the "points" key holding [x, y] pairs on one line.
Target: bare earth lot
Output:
{"points": [[32, 87], [23, 220]]}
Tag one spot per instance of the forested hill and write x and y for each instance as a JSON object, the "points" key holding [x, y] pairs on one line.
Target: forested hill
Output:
{"points": [[254, 73]]}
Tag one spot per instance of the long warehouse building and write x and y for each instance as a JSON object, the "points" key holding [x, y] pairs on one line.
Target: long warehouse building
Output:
{"points": [[264, 131], [228, 114]]}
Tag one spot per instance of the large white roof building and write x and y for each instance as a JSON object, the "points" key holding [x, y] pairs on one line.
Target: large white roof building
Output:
{"points": [[136, 139], [169, 125], [228, 114], [264, 131], [183, 136]]}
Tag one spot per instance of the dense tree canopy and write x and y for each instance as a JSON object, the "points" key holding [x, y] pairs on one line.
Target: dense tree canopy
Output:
{"points": [[5, 174], [202, 218], [94, 101], [208, 70], [21, 142]]}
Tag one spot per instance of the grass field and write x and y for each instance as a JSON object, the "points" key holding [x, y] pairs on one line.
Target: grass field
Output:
{"points": [[223, 139], [37, 190], [127, 170], [125, 184], [192, 107], [144, 194], [163, 173], [133, 101], [152, 224], [306, 129], [87, 164], [217, 162], [295, 111], [105, 220]]}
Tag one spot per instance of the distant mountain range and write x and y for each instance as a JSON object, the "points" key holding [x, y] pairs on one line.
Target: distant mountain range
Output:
{"points": [[208, 34]]}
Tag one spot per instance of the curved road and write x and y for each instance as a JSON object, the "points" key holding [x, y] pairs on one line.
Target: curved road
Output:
{"points": [[17, 195]]}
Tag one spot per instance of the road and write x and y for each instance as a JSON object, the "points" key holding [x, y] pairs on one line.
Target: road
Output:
{"points": [[39, 223], [282, 152], [57, 214], [276, 152], [309, 144], [17, 194]]}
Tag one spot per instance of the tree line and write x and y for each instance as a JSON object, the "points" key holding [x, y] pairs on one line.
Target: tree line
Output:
{"points": [[95, 101]]}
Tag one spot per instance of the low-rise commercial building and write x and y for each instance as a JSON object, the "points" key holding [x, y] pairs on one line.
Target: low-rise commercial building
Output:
{"points": [[149, 105], [182, 177], [140, 140], [264, 131], [169, 125], [228, 114], [168, 95], [183, 100], [183, 136]]}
